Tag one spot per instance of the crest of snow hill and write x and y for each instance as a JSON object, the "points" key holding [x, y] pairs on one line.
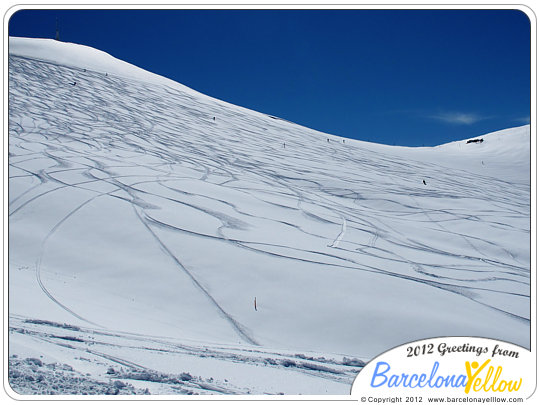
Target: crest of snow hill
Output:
{"points": [[149, 218]]}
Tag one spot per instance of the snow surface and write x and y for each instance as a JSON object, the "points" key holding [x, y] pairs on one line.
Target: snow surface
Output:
{"points": [[145, 219]]}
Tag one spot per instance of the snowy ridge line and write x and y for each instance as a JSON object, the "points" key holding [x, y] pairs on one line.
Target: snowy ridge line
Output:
{"points": [[75, 67], [134, 73], [151, 78]]}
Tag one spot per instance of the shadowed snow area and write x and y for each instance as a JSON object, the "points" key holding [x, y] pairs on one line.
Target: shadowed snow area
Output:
{"points": [[145, 219]]}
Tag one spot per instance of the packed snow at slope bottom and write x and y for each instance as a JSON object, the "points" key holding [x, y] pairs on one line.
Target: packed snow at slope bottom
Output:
{"points": [[164, 242]]}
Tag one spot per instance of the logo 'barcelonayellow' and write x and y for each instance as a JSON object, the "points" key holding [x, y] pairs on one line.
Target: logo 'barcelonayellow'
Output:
{"points": [[455, 366], [492, 380]]}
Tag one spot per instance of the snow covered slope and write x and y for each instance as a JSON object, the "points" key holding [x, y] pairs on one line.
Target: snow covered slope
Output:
{"points": [[146, 219]]}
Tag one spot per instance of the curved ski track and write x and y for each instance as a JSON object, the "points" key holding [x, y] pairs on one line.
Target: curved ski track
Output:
{"points": [[110, 130]]}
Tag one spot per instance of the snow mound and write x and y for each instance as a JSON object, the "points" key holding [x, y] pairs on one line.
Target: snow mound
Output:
{"points": [[507, 144]]}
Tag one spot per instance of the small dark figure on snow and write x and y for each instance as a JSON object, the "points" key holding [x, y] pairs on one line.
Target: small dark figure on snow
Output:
{"points": [[423, 181], [214, 118], [327, 140], [73, 84]]}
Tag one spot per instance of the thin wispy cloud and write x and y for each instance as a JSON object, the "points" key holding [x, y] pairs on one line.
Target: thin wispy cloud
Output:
{"points": [[449, 117], [523, 120], [458, 118]]}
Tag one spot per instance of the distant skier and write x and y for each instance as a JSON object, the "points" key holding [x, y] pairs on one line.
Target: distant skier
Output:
{"points": [[74, 83], [214, 118], [327, 139], [255, 302], [423, 181]]}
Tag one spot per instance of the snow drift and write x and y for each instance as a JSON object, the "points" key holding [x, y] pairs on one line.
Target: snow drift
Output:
{"points": [[144, 216]]}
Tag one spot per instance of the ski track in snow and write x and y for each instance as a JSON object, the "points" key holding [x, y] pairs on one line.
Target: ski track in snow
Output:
{"points": [[235, 324], [152, 149], [100, 347], [160, 152], [336, 241]]}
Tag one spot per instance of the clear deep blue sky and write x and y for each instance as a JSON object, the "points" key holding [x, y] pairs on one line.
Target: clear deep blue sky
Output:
{"points": [[404, 77]]}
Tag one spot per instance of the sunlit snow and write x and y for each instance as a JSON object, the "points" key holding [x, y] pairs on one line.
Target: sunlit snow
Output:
{"points": [[145, 219]]}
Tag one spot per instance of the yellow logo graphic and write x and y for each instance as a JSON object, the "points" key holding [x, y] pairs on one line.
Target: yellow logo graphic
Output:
{"points": [[488, 382]]}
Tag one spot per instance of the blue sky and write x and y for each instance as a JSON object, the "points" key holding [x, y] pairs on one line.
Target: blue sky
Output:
{"points": [[403, 77]]}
